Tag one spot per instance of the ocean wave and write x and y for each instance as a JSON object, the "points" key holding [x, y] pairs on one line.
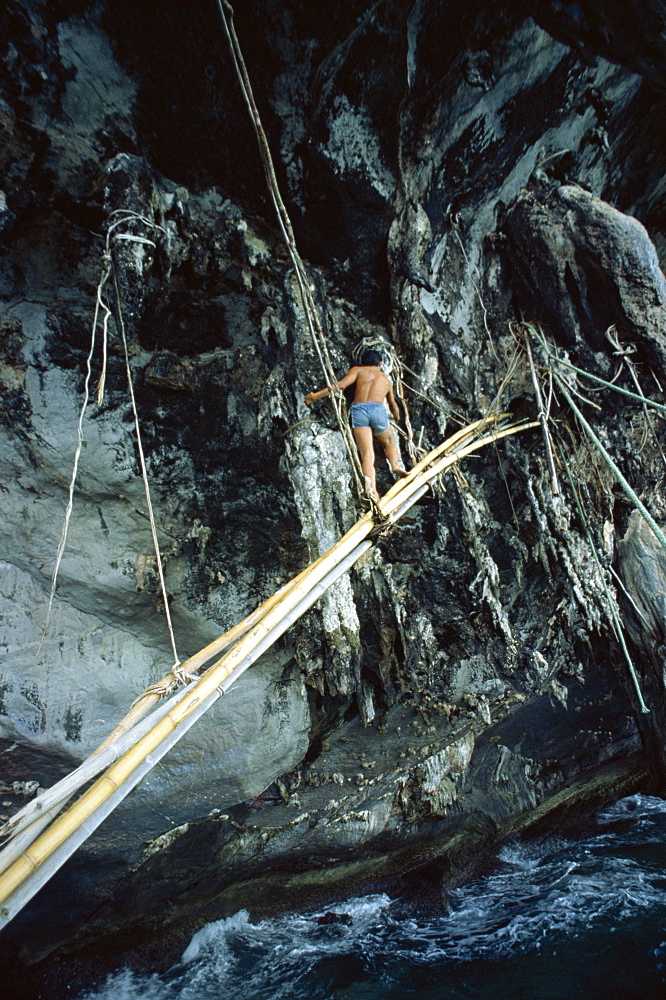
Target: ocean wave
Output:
{"points": [[544, 898]]}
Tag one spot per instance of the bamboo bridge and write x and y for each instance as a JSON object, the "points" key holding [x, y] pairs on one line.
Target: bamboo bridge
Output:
{"points": [[41, 837]]}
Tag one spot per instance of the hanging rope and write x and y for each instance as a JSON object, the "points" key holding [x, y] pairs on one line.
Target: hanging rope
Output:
{"points": [[99, 304], [307, 300], [643, 400], [126, 216], [543, 417], [144, 472], [624, 353], [615, 618], [566, 391]]}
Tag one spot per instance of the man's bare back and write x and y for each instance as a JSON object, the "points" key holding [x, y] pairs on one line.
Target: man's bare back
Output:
{"points": [[372, 388]]}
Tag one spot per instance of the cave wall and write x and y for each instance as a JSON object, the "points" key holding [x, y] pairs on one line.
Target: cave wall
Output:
{"points": [[449, 169]]}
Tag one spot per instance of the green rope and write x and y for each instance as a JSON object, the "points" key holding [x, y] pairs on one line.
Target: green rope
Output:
{"points": [[611, 464], [645, 400], [611, 604]]}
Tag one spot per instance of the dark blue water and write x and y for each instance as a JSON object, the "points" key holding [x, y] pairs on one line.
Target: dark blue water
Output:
{"points": [[562, 919]]}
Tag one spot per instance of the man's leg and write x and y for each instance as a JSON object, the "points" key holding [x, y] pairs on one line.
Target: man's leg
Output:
{"points": [[391, 451], [366, 450]]}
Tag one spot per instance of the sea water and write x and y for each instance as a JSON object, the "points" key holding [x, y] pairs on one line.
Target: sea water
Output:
{"points": [[558, 919]]}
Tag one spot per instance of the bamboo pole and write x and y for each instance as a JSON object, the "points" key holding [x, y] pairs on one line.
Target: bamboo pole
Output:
{"points": [[43, 807], [228, 666], [554, 485], [644, 400], [46, 805], [152, 695], [91, 820], [456, 439], [127, 731], [631, 493]]}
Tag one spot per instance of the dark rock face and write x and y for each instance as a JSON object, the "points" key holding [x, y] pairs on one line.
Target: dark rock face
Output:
{"points": [[632, 35], [582, 267], [450, 169]]}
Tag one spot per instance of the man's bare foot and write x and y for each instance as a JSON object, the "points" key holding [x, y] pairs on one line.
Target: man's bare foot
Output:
{"points": [[397, 471]]}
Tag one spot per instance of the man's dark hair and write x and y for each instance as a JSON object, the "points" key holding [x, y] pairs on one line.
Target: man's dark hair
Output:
{"points": [[371, 358]]}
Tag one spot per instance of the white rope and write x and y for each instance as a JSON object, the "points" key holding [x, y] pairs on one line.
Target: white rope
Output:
{"points": [[126, 215], [99, 303], [144, 471]]}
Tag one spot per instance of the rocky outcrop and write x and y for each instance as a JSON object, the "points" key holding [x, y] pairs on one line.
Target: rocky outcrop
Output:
{"points": [[450, 169], [582, 268]]}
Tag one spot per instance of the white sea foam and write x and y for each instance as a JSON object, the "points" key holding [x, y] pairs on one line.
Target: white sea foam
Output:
{"points": [[550, 895]]}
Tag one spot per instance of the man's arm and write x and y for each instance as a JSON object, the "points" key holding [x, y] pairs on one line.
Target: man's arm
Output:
{"points": [[348, 379], [393, 406]]}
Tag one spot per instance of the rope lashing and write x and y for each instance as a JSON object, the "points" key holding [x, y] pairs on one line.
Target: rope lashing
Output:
{"points": [[644, 400], [624, 353], [543, 417], [305, 292], [629, 491]]}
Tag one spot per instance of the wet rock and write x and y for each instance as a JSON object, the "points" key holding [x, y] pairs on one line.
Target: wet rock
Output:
{"points": [[642, 567], [450, 169], [642, 562], [6, 214]]}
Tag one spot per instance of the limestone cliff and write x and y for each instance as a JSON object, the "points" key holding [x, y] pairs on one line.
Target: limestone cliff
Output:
{"points": [[450, 169]]}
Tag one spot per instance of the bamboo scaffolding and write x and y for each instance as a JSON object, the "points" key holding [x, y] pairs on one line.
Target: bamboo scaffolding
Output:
{"points": [[153, 694], [90, 819], [644, 400], [44, 808], [24, 825], [66, 832]]}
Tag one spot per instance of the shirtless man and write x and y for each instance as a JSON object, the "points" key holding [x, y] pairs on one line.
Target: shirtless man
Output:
{"points": [[368, 413]]}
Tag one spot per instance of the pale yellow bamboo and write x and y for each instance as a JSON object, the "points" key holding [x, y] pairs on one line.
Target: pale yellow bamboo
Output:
{"points": [[113, 778], [150, 698], [447, 461], [443, 448]]}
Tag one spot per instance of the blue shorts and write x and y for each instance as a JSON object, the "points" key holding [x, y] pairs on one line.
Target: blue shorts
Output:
{"points": [[372, 415]]}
